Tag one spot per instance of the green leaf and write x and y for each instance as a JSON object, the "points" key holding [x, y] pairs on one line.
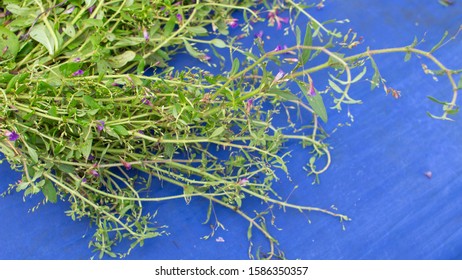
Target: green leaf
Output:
{"points": [[360, 75], [191, 50], [129, 41], [42, 35], [218, 43], [120, 130], [354, 80], [217, 132], [316, 102], [308, 41], [334, 62], [238, 201], [335, 87], [22, 186], [91, 102], [452, 111], [92, 22], [169, 26], [440, 42], [285, 94], [199, 30], [187, 191], [407, 56], [437, 101], [169, 149], [375, 80], [33, 154], [439, 118], [209, 212], [121, 60], [89, 3], [222, 27], [86, 147], [235, 68], [53, 111], [249, 231], [67, 69], [125, 209], [9, 44], [112, 133], [298, 35], [69, 29], [49, 191]]}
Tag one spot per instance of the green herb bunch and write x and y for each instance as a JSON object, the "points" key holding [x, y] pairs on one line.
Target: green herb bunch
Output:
{"points": [[78, 115]]}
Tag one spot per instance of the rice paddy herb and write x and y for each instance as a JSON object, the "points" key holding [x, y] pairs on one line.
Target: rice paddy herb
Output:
{"points": [[79, 115]]}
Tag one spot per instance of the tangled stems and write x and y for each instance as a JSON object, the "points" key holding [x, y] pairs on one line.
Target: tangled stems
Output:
{"points": [[90, 185], [222, 189], [78, 122]]}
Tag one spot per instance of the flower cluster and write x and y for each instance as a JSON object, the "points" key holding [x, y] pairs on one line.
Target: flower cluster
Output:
{"points": [[273, 18], [12, 135]]}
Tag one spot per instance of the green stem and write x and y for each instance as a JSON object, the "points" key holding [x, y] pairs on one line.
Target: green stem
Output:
{"points": [[91, 203], [265, 232], [293, 206], [297, 6], [174, 34], [48, 25], [428, 55]]}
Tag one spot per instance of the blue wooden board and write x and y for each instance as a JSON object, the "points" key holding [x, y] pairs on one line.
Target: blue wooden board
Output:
{"points": [[376, 177]]}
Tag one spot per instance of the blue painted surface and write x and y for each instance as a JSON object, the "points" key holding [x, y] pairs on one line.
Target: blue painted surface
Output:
{"points": [[376, 178]]}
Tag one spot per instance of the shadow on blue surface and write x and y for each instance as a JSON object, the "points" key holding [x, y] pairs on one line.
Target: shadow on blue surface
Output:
{"points": [[376, 178]]}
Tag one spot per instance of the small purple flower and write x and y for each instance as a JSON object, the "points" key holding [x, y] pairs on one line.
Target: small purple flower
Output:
{"points": [[94, 172], [279, 76], [204, 57], [77, 59], [248, 105], [289, 52], [291, 60], [78, 73], [232, 22], [279, 20], [127, 165], [311, 90], [12, 135], [278, 48], [69, 11], [259, 34], [100, 125], [179, 17], [274, 18], [243, 182], [240, 36], [145, 35], [91, 9], [84, 180], [146, 102], [91, 157]]}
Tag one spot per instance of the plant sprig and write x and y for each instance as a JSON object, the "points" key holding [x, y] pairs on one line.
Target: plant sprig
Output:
{"points": [[79, 115]]}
